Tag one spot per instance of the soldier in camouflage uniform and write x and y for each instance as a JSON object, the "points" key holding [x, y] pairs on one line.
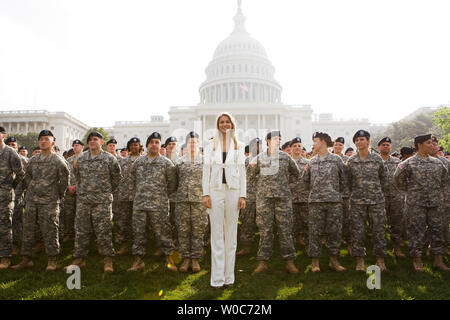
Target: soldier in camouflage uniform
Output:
{"points": [[154, 178], [338, 147], [111, 145], [446, 205], [171, 153], [424, 179], [368, 181], [126, 195], [326, 177], [11, 174], [248, 215], [70, 200], [393, 198], [300, 194], [273, 202], [192, 218], [45, 182], [19, 202], [97, 176]]}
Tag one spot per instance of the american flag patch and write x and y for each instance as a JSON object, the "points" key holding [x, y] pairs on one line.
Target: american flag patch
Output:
{"points": [[400, 165]]}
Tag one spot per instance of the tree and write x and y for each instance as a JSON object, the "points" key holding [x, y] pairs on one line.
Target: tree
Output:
{"points": [[402, 133], [29, 140], [101, 130], [441, 120]]}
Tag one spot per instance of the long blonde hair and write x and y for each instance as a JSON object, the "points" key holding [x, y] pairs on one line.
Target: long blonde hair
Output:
{"points": [[233, 130]]}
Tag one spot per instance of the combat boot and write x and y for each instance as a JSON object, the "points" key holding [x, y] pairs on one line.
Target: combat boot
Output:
{"points": [[380, 264], [185, 265], [360, 264], [108, 265], [315, 265], [138, 264], [5, 263], [243, 252], [335, 265], [123, 250], [195, 266], [290, 267], [80, 262], [349, 249], [51, 266], [261, 267], [398, 253], [439, 263], [170, 264], [25, 263], [417, 263]]}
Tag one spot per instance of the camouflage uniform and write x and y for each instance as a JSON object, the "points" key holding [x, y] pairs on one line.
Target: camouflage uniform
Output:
{"points": [[19, 207], [192, 218], [97, 178], [424, 181], [300, 194], [10, 164], [248, 215], [70, 203], [368, 180], [273, 202], [326, 178], [446, 204], [126, 195], [346, 222], [394, 204], [153, 180], [172, 205], [45, 182]]}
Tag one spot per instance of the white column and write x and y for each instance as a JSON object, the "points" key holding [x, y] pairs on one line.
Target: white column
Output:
{"points": [[259, 124], [264, 121]]}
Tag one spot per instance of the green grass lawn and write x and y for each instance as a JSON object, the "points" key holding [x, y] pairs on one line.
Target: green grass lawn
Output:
{"points": [[400, 282]]}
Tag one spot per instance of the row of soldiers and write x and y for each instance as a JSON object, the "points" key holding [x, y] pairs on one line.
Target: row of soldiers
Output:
{"points": [[327, 195]]}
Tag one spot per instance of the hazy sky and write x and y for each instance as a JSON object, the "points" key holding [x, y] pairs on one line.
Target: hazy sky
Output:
{"points": [[108, 60]]}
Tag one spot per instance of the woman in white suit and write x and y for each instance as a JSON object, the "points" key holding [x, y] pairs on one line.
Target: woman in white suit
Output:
{"points": [[224, 192]]}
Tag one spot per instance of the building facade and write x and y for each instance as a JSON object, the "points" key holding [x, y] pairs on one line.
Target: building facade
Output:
{"points": [[65, 127]]}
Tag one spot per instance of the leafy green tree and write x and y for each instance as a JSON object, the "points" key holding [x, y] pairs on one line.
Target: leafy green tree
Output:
{"points": [[402, 133], [101, 130], [29, 140], [441, 120]]}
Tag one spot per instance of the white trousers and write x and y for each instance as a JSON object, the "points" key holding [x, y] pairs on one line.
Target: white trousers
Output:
{"points": [[223, 216]]}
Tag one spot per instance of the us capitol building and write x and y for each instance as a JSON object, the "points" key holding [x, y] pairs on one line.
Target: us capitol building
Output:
{"points": [[240, 80]]}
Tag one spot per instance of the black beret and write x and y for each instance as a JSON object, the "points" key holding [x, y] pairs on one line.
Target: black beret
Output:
{"points": [[154, 135], [247, 149], [285, 145], [77, 141], [321, 135], [132, 140], [361, 133], [163, 146], [191, 134], [94, 134], [10, 139], [170, 139], [36, 148], [385, 139], [111, 141], [340, 139], [422, 138], [56, 148], [349, 149], [123, 149], [273, 134], [395, 154], [295, 140], [304, 149], [22, 148], [406, 150], [46, 133], [2, 130]]}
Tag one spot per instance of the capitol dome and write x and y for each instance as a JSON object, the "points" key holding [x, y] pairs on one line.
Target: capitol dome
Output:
{"points": [[240, 71]]}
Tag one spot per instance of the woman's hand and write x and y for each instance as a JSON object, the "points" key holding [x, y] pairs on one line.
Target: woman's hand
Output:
{"points": [[207, 201], [241, 203]]}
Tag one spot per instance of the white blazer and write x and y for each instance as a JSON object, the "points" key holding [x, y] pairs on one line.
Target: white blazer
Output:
{"points": [[235, 173]]}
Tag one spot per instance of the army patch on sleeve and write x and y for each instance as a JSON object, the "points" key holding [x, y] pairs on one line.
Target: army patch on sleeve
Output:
{"points": [[400, 165]]}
